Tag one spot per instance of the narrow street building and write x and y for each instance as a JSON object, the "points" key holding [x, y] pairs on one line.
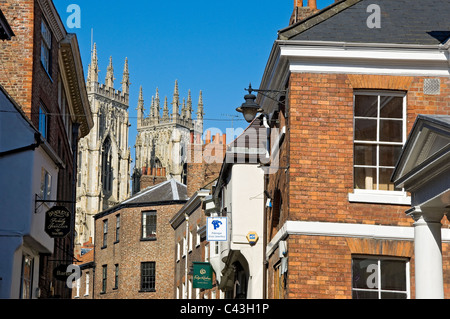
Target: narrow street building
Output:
{"points": [[134, 244], [46, 111], [189, 223], [351, 80]]}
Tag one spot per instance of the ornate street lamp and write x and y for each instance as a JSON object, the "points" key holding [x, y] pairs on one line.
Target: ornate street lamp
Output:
{"points": [[250, 108]]}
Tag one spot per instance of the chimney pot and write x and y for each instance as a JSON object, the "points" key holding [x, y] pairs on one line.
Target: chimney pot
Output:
{"points": [[312, 4]]}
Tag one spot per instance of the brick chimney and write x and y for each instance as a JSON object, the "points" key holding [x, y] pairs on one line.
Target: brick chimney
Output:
{"points": [[300, 12]]}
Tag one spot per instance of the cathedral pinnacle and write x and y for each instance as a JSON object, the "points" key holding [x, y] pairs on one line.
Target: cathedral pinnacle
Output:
{"points": [[175, 102], [109, 81], [93, 66], [126, 78], [200, 107], [140, 107], [156, 106], [189, 106], [165, 110]]}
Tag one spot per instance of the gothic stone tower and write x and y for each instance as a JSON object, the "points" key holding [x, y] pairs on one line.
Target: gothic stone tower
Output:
{"points": [[163, 139], [104, 156]]}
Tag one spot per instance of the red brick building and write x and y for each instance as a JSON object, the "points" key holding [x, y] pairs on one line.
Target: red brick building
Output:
{"points": [[189, 222], [134, 245], [41, 70], [350, 92]]}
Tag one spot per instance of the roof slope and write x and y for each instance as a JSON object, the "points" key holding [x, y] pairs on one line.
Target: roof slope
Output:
{"points": [[165, 193], [402, 22]]}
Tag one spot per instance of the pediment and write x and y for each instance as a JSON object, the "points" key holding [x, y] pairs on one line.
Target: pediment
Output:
{"points": [[426, 151]]}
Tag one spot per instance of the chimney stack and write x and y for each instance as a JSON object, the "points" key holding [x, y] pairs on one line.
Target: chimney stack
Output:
{"points": [[300, 12]]}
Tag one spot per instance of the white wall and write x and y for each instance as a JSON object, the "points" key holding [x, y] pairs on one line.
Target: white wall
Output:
{"points": [[21, 227], [247, 200]]}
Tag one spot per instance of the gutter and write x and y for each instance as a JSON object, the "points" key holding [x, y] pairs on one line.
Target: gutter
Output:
{"points": [[364, 44]]}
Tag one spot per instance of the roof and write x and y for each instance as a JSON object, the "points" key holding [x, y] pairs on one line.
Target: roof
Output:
{"points": [[401, 22], [165, 193]]}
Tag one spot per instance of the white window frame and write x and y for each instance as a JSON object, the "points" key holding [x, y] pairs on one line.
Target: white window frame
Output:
{"points": [[86, 293], [46, 185], [380, 196], [379, 290], [197, 243]]}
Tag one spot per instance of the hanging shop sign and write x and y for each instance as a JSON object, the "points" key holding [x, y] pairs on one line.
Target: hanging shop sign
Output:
{"points": [[216, 228], [57, 222], [61, 273], [202, 275]]}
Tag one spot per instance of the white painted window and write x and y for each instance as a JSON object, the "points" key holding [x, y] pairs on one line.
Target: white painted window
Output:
{"points": [[379, 135], [46, 185], [86, 293], [197, 243], [380, 278]]}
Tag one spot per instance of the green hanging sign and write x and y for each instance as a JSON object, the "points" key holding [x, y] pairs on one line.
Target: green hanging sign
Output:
{"points": [[202, 275]]}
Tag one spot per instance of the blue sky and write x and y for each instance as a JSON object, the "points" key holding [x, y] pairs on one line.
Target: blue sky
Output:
{"points": [[214, 46]]}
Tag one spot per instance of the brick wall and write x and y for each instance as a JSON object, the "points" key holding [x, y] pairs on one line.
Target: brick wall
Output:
{"points": [[319, 151], [130, 251], [17, 55]]}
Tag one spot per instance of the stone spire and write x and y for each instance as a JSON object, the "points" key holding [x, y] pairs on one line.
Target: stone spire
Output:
{"points": [[183, 110], [175, 102], [189, 106], [156, 107], [93, 67], [165, 115], [140, 107], [152, 107], [200, 107], [109, 81], [126, 78]]}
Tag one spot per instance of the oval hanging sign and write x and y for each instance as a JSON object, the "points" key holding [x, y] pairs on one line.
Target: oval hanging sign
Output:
{"points": [[57, 222]]}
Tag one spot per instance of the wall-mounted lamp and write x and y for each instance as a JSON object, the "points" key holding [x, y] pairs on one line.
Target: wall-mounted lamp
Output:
{"points": [[250, 108]]}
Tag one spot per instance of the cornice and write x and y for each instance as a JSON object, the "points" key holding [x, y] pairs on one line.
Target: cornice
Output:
{"points": [[53, 19]]}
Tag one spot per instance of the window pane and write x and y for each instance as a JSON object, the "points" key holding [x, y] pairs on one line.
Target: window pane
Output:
{"points": [[393, 295], [391, 131], [364, 273], [365, 154], [385, 179], [391, 107], [357, 294], [389, 154], [365, 178], [393, 275], [148, 275], [366, 105], [148, 224], [365, 130]]}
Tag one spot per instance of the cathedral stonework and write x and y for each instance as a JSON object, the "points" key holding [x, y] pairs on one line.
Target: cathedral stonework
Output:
{"points": [[163, 139], [104, 155]]}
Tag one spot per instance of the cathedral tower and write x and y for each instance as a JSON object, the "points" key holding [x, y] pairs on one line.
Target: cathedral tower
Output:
{"points": [[104, 156], [163, 139]]}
